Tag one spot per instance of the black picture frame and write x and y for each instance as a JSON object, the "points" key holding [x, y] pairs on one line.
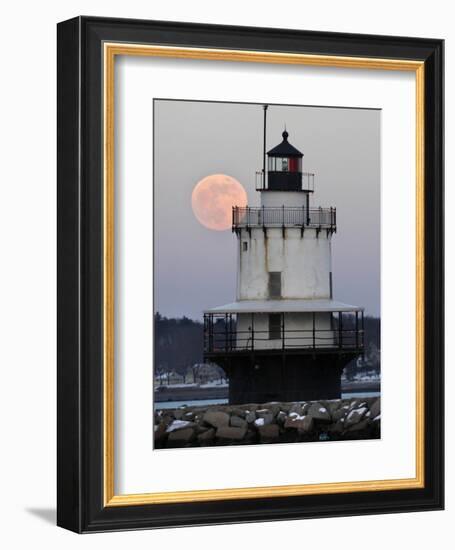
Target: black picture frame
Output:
{"points": [[80, 476]]}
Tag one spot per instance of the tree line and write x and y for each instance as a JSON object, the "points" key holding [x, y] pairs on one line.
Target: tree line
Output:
{"points": [[179, 345]]}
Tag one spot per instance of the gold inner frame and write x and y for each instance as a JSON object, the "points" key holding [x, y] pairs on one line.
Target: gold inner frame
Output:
{"points": [[110, 51]]}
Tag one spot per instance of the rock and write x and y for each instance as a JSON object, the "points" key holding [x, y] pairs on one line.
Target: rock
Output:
{"points": [[230, 433], [266, 415], [305, 425], [250, 417], [166, 419], [339, 414], [179, 425], [178, 414], [160, 433], [319, 413], [281, 417], [296, 408], [375, 408], [361, 426], [333, 406], [217, 419], [376, 426], [354, 417], [302, 423], [188, 416], [274, 408], [207, 436], [180, 438], [238, 422], [269, 433], [238, 412], [336, 427]]}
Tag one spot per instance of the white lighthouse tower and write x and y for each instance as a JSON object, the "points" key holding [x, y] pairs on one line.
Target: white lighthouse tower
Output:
{"points": [[285, 337]]}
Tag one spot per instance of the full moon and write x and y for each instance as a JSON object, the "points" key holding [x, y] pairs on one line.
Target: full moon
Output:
{"points": [[213, 198]]}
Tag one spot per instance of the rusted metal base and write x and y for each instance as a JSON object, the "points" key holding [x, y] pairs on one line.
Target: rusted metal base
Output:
{"points": [[262, 378]]}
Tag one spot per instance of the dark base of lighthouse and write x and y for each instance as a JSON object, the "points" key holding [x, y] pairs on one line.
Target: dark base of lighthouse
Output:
{"points": [[266, 378]]}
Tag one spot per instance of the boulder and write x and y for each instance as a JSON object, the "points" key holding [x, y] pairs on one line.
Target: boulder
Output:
{"points": [[166, 419], [226, 434], [375, 408], [177, 425], [319, 413], [354, 416], [333, 406], [179, 438], [336, 428], [238, 422], [281, 417], [302, 423], [359, 429], [217, 419], [269, 433], [206, 437], [178, 413], [266, 415], [340, 413], [296, 408], [160, 433], [305, 425], [274, 408]]}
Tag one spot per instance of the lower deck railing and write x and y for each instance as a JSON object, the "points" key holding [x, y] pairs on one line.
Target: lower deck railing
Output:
{"points": [[222, 334]]}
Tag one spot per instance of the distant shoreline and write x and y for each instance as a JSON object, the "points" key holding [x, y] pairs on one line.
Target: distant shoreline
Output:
{"points": [[194, 393]]}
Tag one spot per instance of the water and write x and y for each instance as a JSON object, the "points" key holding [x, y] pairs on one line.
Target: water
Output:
{"points": [[360, 394], [196, 403], [204, 402]]}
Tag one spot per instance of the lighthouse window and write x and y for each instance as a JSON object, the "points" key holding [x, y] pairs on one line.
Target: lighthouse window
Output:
{"points": [[275, 284], [274, 326], [283, 164], [245, 246]]}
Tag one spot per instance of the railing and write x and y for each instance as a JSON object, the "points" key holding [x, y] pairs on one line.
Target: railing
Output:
{"points": [[305, 180], [222, 335], [287, 216]]}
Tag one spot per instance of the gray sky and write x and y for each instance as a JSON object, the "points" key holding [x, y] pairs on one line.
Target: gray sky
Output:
{"points": [[195, 268]]}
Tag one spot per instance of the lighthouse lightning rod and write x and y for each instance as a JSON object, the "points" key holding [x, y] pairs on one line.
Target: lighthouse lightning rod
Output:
{"points": [[265, 129]]}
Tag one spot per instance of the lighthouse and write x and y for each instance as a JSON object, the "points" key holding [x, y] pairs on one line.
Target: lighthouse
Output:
{"points": [[285, 337]]}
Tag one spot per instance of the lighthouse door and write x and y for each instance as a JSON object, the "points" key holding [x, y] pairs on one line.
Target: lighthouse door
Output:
{"points": [[275, 284]]}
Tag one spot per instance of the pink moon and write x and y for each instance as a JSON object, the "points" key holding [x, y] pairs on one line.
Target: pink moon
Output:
{"points": [[213, 198]]}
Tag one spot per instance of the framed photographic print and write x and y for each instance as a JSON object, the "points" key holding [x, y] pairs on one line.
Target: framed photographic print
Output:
{"points": [[250, 274]]}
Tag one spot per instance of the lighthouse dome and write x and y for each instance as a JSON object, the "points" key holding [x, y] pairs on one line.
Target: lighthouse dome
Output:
{"points": [[285, 149]]}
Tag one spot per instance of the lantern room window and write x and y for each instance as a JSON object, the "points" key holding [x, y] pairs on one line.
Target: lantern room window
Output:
{"points": [[285, 164]]}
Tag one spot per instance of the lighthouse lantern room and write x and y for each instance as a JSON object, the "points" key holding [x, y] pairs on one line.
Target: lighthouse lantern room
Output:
{"points": [[284, 338]]}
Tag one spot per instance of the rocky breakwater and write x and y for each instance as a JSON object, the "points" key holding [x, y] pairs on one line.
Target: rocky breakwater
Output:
{"points": [[214, 425]]}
